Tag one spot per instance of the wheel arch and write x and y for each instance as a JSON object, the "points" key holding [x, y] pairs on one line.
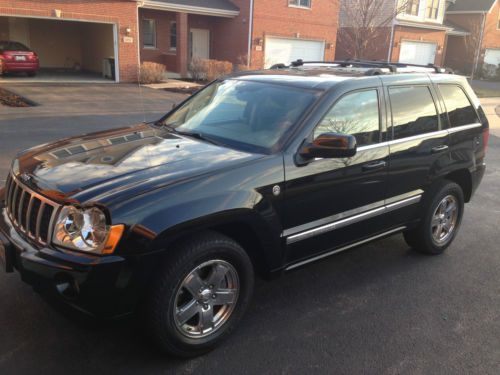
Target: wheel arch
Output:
{"points": [[245, 227], [463, 178]]}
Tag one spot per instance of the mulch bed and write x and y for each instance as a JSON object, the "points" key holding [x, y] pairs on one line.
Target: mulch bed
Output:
{"points": [[183, 90], [10, 99]]}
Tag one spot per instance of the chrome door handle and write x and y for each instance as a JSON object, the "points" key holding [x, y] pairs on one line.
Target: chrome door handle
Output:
{"points": [[375, 165], [437, 149]]}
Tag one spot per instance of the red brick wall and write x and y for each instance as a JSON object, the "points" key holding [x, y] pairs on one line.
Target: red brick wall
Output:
{"points": [[162, 53], [122, 13], [276, 18], [402, 33], [460, 53], [491, 37], [228, 36]]}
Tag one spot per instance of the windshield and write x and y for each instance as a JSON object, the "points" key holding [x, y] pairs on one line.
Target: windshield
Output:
{"points": [[242, 114]]}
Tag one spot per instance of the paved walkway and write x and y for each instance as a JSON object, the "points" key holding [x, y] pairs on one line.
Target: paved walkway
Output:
{"points": [[492, 108]]}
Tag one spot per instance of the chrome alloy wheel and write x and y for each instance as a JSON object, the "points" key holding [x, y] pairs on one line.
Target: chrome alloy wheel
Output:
{"points": [[206, 299], [444, 220]]}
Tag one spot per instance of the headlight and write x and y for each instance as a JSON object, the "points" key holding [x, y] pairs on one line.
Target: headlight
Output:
{"points": [[85, 229]]}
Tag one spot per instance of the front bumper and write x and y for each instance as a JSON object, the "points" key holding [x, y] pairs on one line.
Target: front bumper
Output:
{"points": [[101, 286]]}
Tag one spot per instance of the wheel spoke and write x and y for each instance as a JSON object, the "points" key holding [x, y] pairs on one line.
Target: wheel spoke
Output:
{"points": [[439, 231], [217, 275], [435, 221], [187, 311], [225, 297], [193, 284], [206, 319], [451, 207]]}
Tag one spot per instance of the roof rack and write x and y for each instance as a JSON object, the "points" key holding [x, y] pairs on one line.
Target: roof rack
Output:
{"points": [[368, 67]]}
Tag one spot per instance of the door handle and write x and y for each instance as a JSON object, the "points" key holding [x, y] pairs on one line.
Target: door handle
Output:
{"points": [[375, 165], [438, 149]]}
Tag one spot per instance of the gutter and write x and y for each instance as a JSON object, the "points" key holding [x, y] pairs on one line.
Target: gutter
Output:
{"points": [[250, 32], [149, 4], [393, 26]]}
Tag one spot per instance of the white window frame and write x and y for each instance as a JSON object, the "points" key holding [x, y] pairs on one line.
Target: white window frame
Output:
{"points": [[291, 5], [438, 10], [155, 39]]}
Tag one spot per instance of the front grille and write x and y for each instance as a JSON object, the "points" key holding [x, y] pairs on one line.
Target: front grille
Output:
{"points": [[31, 213]]}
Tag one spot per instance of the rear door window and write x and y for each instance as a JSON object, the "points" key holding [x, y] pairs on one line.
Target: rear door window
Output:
{"points": [[459, 108], [413, 111], [356, 114]]}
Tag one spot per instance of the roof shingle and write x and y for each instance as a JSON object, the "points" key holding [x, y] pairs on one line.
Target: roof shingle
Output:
{"points": [[471, 6]]}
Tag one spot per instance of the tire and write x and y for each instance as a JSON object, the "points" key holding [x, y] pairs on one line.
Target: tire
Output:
{"points": [[440, 222], [31, 74], [175, 296]]}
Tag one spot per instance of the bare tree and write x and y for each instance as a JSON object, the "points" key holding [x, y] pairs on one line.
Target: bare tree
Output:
{"points": [[365, 26]]}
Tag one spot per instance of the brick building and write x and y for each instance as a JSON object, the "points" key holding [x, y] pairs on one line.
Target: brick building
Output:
{"points": [[481, 46], [82, 35]]}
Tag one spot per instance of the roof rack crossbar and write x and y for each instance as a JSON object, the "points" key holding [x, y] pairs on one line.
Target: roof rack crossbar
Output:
{"points": [[357, 63]]}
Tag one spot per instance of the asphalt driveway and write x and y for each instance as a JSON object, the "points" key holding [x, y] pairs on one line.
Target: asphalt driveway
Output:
{"points": [[377, 309], [65, 110]]}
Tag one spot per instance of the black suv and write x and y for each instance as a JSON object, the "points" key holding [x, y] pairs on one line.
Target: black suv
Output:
{"points": [[260, 172]]}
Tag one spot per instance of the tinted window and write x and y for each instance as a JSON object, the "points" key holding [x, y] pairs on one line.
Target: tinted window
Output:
{"points": [[251, 115], [460, 111], [413, 111], [356, 114]]}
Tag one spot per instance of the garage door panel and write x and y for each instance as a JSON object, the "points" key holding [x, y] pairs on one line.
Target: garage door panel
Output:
{"points": [[417, 53], [280, 50]]}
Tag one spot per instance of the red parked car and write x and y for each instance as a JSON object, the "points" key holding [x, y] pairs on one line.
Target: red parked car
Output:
{"points": [[16, 57]]}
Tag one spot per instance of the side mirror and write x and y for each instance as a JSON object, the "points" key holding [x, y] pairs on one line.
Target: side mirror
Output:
{"points": [[329, 146]]}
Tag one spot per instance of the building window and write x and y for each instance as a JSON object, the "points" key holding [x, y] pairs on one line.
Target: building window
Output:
{"points": [[300, 3], [173, 36], [412, 7], [149, 33], [432, 9]]}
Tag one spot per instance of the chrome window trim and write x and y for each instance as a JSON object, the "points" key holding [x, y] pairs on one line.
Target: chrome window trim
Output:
{"points": [[419, 136], [349, 217], [321, 256], [465, 127]]}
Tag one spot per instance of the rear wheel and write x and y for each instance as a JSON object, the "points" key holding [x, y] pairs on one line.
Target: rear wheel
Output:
{"points": [[442, 215], [200, 295]]}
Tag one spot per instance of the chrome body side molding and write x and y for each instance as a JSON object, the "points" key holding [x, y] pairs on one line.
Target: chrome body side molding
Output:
{"points": [[321, 256]]}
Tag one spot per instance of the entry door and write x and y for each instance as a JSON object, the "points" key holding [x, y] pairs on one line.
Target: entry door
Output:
{"points": [[419, 53], [200, 43], [331, 203]]}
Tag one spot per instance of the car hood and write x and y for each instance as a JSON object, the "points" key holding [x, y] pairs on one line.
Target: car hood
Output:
{"points": [[106, 165]]}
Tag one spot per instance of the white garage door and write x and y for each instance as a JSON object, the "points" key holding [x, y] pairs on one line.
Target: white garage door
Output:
{"points": [[492, 56], [280, 50], [417, 53]]}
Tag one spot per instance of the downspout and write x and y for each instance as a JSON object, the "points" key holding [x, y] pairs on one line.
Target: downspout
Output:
{"points": [[393, 24], [250, 32], [479, 47]]}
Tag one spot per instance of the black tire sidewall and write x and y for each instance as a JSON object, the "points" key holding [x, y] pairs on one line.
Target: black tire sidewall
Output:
{"points": [[441, 191], [217, 248]]}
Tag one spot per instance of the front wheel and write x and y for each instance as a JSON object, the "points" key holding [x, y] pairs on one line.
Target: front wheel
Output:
{"points": [[200, 295], [442, 215]]}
